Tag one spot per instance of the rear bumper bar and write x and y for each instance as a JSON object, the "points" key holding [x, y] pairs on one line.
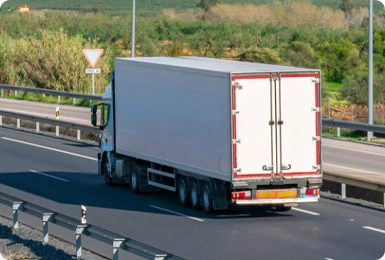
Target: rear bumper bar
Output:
{"points": [[277, 201]]}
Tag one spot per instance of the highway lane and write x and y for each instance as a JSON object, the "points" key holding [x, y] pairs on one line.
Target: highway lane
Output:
{"points": [[61, 175], [361, 159]]}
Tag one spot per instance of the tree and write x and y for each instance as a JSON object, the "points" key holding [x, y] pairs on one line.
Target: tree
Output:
{"points": [[261, 55], [206, 5], [347, 7]]}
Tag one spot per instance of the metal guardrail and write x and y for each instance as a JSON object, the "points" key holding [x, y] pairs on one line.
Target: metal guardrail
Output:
{"points": [[46, 120], [83, 229], [354, 125], [345, 179], [51, 92]]}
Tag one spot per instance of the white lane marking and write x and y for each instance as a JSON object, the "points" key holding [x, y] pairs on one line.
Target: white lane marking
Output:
{"points": [[375, 229], [306, 211], [354, 150], [327, 258], [352, 169], [49, 148], [50, 176], [177, 213]]}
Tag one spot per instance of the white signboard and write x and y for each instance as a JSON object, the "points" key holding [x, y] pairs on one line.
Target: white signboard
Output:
{"points": [[93, 71]]}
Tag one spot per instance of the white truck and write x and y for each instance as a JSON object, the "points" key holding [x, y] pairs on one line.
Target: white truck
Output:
{"points": [[217, 132]]}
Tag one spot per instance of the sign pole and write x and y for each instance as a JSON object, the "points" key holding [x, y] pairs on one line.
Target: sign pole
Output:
{"points": [[93, 83], [92, 56]]}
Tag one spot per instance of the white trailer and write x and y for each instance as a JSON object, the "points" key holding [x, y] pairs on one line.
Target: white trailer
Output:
{"points": [[217, 132]]}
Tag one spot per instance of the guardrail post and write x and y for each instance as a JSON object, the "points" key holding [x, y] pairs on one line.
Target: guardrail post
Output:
{"points": [[57, 130], [338, 132], [16, 206], [1, 120], [37, 126], [343, 190], [79, 231], [18, 123], [116, 244], [47, 217], [78, 134], [384, 201]]}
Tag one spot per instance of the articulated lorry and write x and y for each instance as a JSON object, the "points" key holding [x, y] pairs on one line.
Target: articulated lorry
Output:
{"points": [[216, 132]]}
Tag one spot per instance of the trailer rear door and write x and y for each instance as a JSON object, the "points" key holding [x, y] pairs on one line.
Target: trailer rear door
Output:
{"points": [[276, 125]]}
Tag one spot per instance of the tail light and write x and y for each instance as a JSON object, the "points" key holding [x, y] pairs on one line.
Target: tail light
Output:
{"points": [[313, 192], [241, 195]]}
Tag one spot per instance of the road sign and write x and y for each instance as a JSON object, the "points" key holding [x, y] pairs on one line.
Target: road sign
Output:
{"points": [[93, 71], [92, 56]]}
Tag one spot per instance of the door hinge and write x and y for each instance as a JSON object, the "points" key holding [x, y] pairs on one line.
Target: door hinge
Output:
{"points": [[316, 167], [237, 169], [315, 80], [237, 85], [236, 141], [235, 112], [315, 109], [316, 138]]}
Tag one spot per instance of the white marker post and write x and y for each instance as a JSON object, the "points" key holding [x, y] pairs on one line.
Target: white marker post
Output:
{"points": [[93, 56]]}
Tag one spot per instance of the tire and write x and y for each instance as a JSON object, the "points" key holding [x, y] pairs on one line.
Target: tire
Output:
{"points": [[194, 195], [183, 192], [134, 178], [207, 201], [107, 177]]}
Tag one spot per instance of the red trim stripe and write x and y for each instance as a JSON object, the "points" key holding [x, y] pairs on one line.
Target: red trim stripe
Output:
{"points": [[252, 175], [311, 75], [235, 162], [277, 174], [251, 77]]}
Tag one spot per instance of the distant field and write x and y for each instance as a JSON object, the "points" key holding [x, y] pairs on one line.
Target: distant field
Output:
{"points": [[154, 6]]}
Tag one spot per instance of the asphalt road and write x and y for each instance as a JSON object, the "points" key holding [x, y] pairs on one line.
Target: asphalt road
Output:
{"points": [[365, 161], [61, 175]]}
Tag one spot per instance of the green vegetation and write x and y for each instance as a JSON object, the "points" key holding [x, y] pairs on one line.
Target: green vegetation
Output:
{"points": [[152, 7], [43, 48]]}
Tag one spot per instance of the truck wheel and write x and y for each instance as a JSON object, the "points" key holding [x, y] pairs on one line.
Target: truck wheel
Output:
{"points": [[183, 192], [134, 179], [107, 177], [194, 195], [207, 202]]}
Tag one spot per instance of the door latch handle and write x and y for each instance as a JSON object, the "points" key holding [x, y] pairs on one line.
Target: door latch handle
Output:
{"points": [[267, 167], [286, 167]]}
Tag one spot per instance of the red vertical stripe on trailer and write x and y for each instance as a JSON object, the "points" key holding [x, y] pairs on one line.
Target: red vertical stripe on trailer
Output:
{"points": [[317, 120], [235, 164]]}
